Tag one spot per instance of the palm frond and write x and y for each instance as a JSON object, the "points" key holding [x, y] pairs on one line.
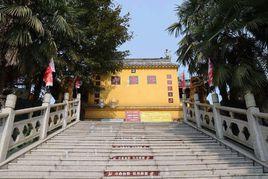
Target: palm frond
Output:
{"points": [[35, 24], [60, 25], [17, 11]]}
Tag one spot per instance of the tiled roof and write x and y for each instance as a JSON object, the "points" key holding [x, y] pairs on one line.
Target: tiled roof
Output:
{"points": [[149, 62]]}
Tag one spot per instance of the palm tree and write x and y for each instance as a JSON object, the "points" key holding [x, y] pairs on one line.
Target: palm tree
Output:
{"points": [[222, 32]]}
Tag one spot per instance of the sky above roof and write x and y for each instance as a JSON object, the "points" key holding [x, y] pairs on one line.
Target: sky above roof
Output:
{"points": [[149, 21]]}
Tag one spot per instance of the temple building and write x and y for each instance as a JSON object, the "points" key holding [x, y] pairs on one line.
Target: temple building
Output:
{"points": [[145, 90]]}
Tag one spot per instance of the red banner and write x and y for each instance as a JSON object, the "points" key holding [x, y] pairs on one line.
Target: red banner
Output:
{"points": [[133, 116], [131, 146], [210, 73], [132, 158], [131, 173]]}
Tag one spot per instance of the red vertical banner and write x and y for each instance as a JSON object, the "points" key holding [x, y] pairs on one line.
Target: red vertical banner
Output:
{"points": [[210, 73], [48, 76], [132, 116]]}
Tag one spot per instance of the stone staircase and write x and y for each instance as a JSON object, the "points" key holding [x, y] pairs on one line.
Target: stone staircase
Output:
{"points": [[132, 150]]}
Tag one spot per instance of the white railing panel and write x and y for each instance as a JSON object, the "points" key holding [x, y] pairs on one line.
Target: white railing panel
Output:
{"points": [[263, 122], [72, 110], [56, 117], [33, 123], [237, 130], [25, 131], [3, 117], [207, 119], [190, 111]]}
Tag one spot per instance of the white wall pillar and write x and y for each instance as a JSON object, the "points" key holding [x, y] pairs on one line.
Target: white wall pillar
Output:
{"points": [[217, 116], [196, 111], [66, 109], [45, 121], [260, 149], [8, 126]]}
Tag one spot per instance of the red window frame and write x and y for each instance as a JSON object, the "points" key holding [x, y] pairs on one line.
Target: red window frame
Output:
{"points": [[133, 80], [151, 79], [115, 80], [169, 82], [170, 88], [170, 100]]}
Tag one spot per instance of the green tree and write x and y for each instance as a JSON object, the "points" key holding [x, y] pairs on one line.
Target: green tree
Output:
{"points": [[230, 34], [82, 36]]}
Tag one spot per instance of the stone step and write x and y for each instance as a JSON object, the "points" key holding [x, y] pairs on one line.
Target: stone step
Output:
{"points": [[108, 150], [231, 161], [137, 137], [127, 168], [127, 153], [226, 172], [55, 174], [118, 134], [164, 165], [128, 143], [178, 171], [126, 138], [244, 176], [86, 151], [164, 157], [160, 147]]}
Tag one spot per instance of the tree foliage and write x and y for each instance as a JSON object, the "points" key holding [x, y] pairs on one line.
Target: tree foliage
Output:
{"points": [[82, 36], [233, 35]]}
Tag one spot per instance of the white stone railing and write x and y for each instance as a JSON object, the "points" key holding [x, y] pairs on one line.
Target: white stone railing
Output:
{"points": [[246, 127], [21, 127]]}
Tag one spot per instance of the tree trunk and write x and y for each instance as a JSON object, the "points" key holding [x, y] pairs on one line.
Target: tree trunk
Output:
{"points": [[224, 94], [38, 87]]}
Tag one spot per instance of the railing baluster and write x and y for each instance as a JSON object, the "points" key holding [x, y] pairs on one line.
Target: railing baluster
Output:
{"points": [[184, 107], [78, 111], [258, 140], [196, 111], [217, 116], [66, 109], [44, 123], [8, 126]]}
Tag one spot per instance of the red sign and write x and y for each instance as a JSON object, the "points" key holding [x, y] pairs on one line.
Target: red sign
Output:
{"points": [[132, 158], [131, 173], [130, 146], [129, 138], [133, 116]]}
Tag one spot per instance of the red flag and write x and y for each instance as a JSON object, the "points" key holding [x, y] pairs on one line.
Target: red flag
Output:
{"points": [[210, 73], [183, 82], [78, 83], [48, 76]]}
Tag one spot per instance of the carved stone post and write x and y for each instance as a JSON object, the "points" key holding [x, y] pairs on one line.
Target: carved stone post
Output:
{"points": [[8, 126], [78, 112], [196, 111], [45, 121], [259, 146], [66, 109], [184, 107], [216, 116]]}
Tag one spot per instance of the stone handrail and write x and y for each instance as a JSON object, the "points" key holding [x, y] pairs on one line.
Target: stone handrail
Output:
{"points": [[246, 127], [22, 127]]}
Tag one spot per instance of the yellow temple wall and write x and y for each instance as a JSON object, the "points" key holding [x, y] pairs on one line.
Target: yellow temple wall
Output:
{"points": [[147, 115], [150, 99]]}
